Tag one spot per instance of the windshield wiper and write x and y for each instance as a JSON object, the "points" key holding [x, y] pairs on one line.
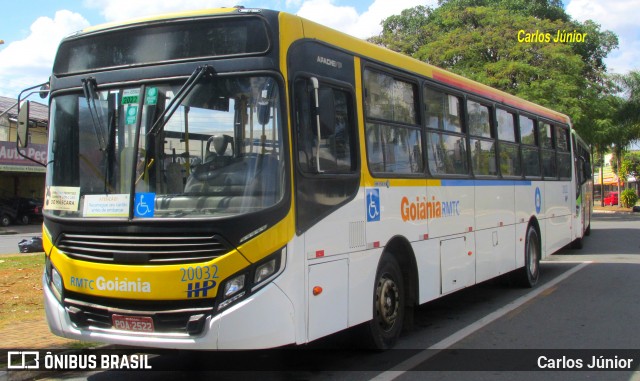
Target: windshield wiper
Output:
{"points": [[89, 86], [173, 105]]}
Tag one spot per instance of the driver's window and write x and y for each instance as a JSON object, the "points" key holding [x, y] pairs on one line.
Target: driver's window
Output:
{"points": [[328, 149]]}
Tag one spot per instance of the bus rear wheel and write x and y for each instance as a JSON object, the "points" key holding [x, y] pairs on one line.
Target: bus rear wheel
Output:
{"points": [[388, 305], [529, 275]]}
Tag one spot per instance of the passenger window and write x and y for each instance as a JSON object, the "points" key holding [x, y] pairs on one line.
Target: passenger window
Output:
{"points": [[394, 149], [564, 155], [446, 141], [478, 117], [509, 159], [483, 147], [394, 137], [546, 135], [447, 154], [549, 168], [531, 161], [562, 139], [506, 126], [529, 149], [443, 111], [527, 131], [389, 98]]}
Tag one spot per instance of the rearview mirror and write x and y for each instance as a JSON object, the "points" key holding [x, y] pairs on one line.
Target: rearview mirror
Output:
{"points": [[44, 90], [264, 102], [23, 125]]}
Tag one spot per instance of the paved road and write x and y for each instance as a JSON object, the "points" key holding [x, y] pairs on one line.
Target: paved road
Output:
{"points": [[587, 300], [9, 242]]}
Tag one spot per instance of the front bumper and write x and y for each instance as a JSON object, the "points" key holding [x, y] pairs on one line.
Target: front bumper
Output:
{"points": [[263, 320]]}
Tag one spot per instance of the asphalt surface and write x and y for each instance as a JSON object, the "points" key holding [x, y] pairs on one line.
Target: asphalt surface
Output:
{"points": [[11, 235]]}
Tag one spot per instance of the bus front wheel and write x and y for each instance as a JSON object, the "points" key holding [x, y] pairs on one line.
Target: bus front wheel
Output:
{"points": [[388, 305]]}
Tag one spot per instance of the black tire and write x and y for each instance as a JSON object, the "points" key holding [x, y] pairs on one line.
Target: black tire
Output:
{"points": [[25, 220], [383, 330], [5, 220], [529, 275], [587, 232]]}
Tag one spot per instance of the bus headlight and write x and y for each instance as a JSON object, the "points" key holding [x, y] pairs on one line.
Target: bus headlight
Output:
{"points": [[56, 280], [264, 271], [234, 285], [257, 276], [233, 290], [268, 269]]}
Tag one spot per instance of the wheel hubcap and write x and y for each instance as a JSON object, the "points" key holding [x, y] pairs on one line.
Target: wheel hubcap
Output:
{"points": [[387, 302]]}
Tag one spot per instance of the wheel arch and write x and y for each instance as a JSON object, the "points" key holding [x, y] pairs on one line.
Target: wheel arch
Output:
{"points": [[533, 221], [401, 249]]}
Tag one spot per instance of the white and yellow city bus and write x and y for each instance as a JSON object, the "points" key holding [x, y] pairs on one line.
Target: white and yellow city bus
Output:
{"points": [[245, 178]]}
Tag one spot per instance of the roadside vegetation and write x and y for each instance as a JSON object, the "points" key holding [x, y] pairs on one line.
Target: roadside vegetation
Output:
{"points": [[20, 288]]}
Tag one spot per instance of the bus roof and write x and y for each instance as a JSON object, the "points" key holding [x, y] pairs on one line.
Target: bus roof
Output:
{"points": [[162, 17], [363, 48]]}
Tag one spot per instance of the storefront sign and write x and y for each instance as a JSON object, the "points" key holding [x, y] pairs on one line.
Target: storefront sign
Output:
{"points": [[10, 160]]}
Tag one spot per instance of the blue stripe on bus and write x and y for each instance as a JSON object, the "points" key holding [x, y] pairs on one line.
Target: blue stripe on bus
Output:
{"points": [[484, 183]]}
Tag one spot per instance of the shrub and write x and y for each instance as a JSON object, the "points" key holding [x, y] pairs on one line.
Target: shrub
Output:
{"points": [[628, 198]]}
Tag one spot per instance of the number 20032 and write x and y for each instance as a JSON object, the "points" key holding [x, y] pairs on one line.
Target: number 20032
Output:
{"points": [[199, 273]]}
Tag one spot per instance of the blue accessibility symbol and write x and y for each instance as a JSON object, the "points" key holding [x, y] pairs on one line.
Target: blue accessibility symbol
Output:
{"points": [[144, 205], [373, 205], [538, 200]]}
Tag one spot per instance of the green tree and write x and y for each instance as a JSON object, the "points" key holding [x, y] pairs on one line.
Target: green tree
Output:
{"points": [[629, 112], [630, 165], [627, 118], [479, 40]]}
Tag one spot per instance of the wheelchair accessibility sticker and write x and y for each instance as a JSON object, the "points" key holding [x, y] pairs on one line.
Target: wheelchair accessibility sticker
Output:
{"points": [[144, 205], [373, 204]]}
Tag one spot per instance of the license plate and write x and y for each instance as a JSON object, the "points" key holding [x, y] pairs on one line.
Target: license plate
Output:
{"points": [[132, 323]]}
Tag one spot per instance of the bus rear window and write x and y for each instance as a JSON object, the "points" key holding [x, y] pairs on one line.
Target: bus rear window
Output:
{"points": [[168, 41]]}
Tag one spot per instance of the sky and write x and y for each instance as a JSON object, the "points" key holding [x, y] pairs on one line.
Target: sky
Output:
{"points": [[32, 29]]}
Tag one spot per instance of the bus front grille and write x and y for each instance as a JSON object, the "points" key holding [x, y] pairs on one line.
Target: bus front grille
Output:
{"points": [[142, 249], [169, 318]]}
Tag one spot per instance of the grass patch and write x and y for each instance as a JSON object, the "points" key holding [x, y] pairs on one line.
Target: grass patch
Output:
{"points": [[21, 287]]}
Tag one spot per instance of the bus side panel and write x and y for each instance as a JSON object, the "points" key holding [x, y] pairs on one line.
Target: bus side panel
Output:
{"points": [[495, 252], [428, 261], [452, 221], [451, 208], [529, 204], [558, 212], [362, 273], [328, 301], [296, 274], [521, 232], [395, 210], [457, 259], [340, 232], [495, 231]]}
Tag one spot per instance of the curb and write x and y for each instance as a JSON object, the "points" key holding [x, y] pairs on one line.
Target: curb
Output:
{"points": [[611, 212]]}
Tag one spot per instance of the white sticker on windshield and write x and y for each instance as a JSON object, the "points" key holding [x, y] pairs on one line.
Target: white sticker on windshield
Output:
{"points": [[106, 205], [62, 198]]}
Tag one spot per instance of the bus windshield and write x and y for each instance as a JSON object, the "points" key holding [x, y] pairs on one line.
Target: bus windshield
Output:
{"points": [[218, 154]]}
